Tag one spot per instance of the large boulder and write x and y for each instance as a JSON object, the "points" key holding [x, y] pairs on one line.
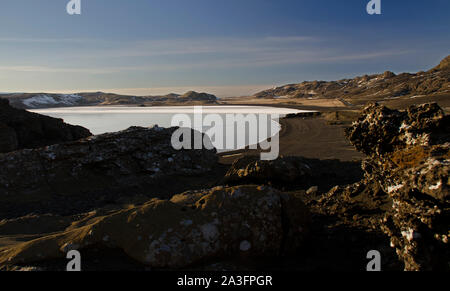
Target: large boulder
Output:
{"points": [[76, 176], [190, 228], [284, 170], [20, 129], [8, 139], [409, 158], [293, 173], [381, 130], [417, 181]]}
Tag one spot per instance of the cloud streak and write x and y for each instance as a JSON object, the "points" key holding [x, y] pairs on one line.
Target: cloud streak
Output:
{"points": [[254, 60], [12, 40], [58, 64]]}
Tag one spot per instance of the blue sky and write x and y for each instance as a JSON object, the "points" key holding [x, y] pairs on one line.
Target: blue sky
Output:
{"points": [[232, 47]]}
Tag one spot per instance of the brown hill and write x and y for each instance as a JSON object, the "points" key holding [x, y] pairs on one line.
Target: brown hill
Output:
{"points": [[194, 96], [47, 100], [444, 65], [380, 87]]}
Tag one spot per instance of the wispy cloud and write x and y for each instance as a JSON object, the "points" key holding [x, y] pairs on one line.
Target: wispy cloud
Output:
{"points": [[13, 40], [254, 59], [97, 56], [192, 46], [46, 69]]}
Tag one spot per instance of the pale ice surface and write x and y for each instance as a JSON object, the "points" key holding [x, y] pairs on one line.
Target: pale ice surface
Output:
{"points": [[103, 119], [168, 110]]}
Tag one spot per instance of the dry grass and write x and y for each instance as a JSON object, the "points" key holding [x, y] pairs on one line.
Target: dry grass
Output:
{"points": [[290, 101]]}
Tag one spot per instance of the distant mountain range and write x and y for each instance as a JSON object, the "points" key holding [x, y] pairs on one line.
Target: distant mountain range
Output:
{"points": [[405, 88], [46, 100], [360, 90]]}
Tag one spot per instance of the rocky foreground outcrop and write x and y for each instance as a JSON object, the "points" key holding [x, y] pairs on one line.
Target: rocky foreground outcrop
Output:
{"points": [[20, 129], [381, 130], [405, 192], [290, 173], [191, 227], [81, 175], [282, 171], [402, 200]]}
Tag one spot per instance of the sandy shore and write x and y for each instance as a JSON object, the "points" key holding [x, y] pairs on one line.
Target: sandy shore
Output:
{"points": [[312, 137], [301, 104]]}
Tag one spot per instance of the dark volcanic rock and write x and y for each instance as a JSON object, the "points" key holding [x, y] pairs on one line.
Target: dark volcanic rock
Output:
{"points": [[416, 179], [409, 158], [245, 221], [293, 173], [20, 129], [405, 191], [381, 130], [289, 170], [364, 198], [303, 115], [75, 176], [8, 139]]}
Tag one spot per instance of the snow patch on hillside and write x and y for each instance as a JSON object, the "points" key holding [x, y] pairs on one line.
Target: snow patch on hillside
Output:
{"points": [[46, 100]]}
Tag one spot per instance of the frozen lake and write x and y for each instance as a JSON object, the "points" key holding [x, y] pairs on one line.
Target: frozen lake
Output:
{"points": [[103, 119]]}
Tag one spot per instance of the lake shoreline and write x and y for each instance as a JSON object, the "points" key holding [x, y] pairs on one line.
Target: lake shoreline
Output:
{"points": [[317, 195], [307, 136], [305, 133]]}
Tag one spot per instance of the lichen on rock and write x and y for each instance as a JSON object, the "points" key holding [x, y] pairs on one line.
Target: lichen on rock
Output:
{"points": [[409, 158], [190, 228], [84, 174]]}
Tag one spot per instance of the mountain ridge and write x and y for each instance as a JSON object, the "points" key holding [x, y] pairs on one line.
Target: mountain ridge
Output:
{"points": [[51, 100], [403, 88], [366, 88]]}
